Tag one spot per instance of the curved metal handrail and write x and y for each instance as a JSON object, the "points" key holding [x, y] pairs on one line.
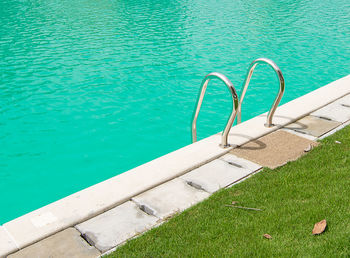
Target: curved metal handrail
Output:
{"points": [[232, 117], [246, 83]]}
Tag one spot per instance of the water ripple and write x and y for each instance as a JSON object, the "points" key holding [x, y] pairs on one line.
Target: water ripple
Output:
{"points": [[89, 89]]}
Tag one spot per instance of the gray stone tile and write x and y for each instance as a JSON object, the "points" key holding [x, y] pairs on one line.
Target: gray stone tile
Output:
{"points": [[337, 111], [6, 243], [303, 135], [312, 125], [67, 243], [345, 101], [335, 130], [116, 226], [169, 198], [220, 173]]}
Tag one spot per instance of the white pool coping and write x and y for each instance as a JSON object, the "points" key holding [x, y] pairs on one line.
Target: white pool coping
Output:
{"points": [[103, 196]]}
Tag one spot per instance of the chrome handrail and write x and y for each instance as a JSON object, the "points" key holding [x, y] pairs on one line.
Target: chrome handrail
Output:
{"points": [[246, 83], [200, 97]]}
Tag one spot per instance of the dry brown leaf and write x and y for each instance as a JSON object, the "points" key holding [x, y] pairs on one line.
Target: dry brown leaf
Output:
{"points": [[319, 227], [267, 236]]}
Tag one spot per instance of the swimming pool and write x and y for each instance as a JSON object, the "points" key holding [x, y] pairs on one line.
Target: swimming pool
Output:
{"points": [[91, 89]]}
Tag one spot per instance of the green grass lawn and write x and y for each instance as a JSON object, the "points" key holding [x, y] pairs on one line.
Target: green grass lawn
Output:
{"points": [[292, 198]]}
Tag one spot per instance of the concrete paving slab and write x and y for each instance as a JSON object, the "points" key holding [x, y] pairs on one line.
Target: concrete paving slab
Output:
{"points": [[312, 125], [116, 226], [337, 111], [302, 135], [220, 173], [67, 243], [7, 245], [275, 149], [345, 101], [335, 130], [170, 198]]}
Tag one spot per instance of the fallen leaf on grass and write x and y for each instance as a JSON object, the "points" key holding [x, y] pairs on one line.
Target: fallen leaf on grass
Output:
{"points": [[267, 236], [319, 227]]}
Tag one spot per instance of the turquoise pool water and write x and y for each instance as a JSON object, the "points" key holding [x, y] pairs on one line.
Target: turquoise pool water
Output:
{"points": [[90, 89]]}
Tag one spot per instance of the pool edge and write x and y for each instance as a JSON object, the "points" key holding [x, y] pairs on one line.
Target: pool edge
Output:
{"points": [[103, 196]]}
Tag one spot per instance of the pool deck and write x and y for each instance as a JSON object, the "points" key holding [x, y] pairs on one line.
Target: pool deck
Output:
{"points": [[96, 220]]}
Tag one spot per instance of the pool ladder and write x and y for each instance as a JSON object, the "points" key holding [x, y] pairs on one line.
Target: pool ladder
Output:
{"points": [[237, 104]]}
